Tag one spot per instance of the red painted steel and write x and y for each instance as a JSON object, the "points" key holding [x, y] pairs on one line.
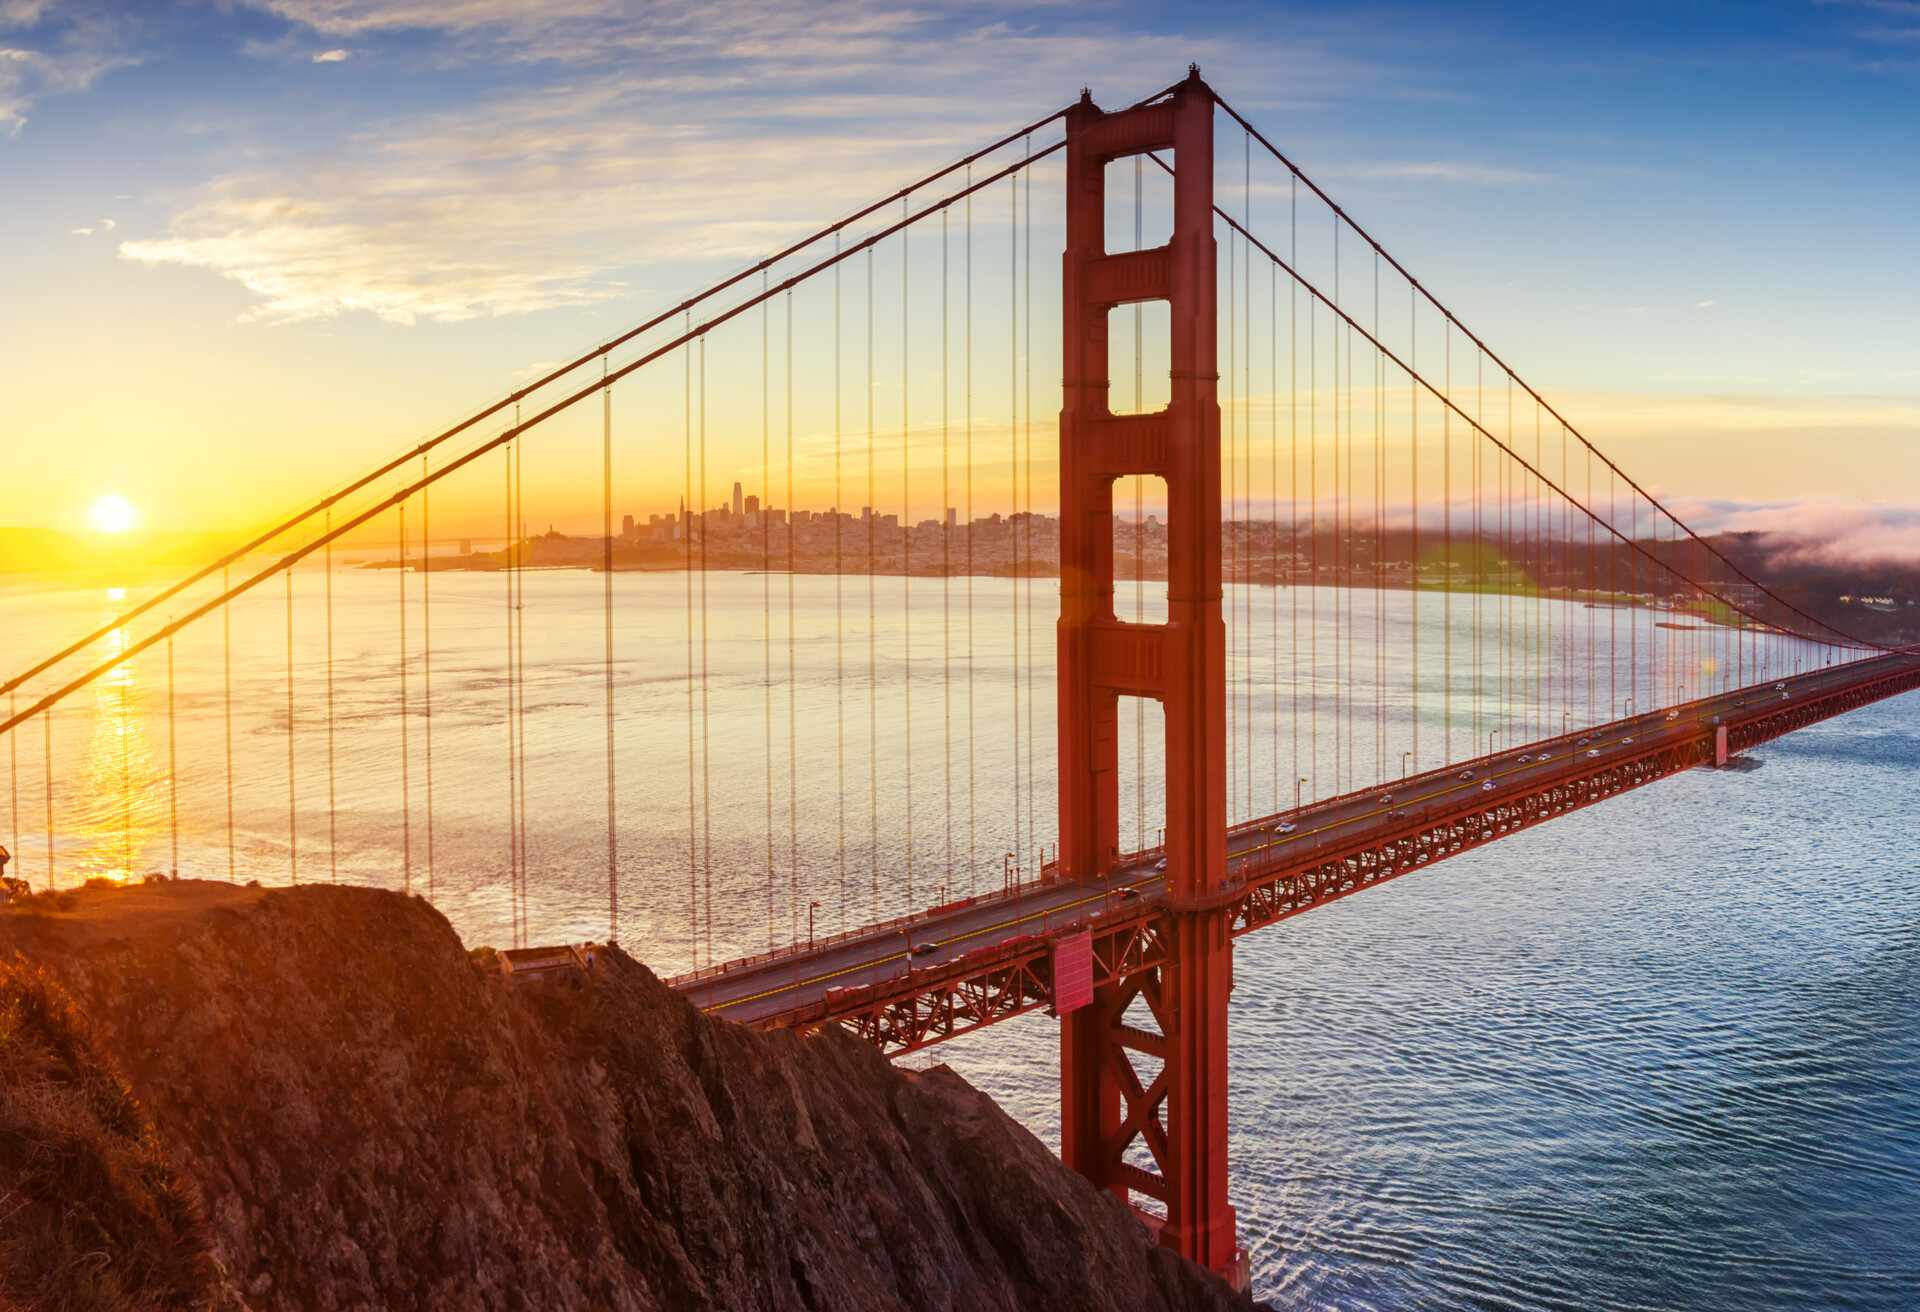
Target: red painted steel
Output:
{"points": [[1134, 938], [1181, 1114], [1072, 973]]}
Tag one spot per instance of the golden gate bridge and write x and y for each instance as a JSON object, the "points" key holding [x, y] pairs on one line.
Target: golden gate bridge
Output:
{"points": [[1408, 609]]}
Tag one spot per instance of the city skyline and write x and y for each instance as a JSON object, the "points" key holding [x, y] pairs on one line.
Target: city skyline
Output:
{"points": [[211, 206]]}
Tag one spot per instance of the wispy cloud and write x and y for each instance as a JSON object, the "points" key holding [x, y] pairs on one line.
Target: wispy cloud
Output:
{"points": [[47, 52], [679, 132], [332, 56], [1442, 171]]}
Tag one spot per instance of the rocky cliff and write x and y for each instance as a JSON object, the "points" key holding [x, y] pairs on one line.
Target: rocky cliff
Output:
{"points": [[329, 1103]]}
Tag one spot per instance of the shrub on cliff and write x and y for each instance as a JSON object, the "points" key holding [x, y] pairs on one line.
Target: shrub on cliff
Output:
{"points": [[92, 1214]]}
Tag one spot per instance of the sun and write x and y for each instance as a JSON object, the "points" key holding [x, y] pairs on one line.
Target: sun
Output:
{"points": [[113, 513]]}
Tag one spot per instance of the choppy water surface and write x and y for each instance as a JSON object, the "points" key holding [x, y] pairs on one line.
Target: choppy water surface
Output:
{"points": [[1664, 1053]]}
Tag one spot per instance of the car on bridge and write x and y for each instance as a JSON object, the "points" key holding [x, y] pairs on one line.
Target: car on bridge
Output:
{"points": [[1285, 827], [1466, 774]]}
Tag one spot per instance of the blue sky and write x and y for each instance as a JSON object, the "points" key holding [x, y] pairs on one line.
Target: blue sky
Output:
{"points": [[286, 235]]}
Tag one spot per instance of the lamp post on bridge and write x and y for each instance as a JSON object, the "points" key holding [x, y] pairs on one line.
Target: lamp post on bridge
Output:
{"points": [[1298, 784], [811, 908], [1403, 764]]}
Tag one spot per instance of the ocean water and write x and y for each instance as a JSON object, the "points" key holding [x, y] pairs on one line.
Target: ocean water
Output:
{"points": [[1658, 1054]]}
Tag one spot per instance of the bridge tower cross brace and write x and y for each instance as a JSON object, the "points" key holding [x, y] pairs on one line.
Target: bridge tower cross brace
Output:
{"points": [[1180, 1113]]}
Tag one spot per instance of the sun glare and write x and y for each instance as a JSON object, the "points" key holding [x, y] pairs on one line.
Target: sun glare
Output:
{"points": [[113, 513]]}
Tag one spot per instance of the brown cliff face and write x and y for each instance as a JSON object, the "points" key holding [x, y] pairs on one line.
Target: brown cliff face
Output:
{"points": [[372, 1121]]}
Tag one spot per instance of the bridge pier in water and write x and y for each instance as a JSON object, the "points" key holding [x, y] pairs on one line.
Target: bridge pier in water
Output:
{"points": [[1180, 1114]]}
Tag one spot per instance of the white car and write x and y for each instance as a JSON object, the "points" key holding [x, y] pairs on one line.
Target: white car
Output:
{"points": [[1627, 739], [1593, 751], [1160, 865], [1385, 798], [1285, 827], [1779, 687], [1525, 757], [1487, 787], [1673, 715], [1544, 756]]}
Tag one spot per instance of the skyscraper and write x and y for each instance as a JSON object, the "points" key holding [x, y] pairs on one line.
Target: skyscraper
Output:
{"points": [[736, 499]]}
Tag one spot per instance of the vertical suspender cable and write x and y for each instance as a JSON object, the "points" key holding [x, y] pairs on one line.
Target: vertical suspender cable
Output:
{"points": [[946, 539], [293, 838], [513, 752], [1231, 548], [13, 758], [1413, 528], [1013, 465], [173, 775], [226, 677], [1273, 507], [406, 799], [706, 740], [426, 654], [1246, 447], [126, 782], [333, 811], [520, 670], [839, 602], [46, 743], [606, 563], [906, 556], [1446, 529], [690, 515], [1293, 468], [793, 694], [1027, 523], [872, 513], [1313, 550], [766, 590], [1339, 536], [1479, 546], [973, 864]]}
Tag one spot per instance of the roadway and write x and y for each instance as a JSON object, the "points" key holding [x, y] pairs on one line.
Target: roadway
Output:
{"points": [[758, 989]]}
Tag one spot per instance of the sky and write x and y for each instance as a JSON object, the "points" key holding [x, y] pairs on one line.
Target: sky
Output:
{"points": [[253, 247]]}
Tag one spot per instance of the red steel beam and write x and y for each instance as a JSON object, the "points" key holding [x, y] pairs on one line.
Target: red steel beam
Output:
{"points": [[1133, 938]]}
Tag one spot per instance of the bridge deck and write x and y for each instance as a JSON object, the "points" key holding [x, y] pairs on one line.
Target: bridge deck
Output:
{"points": [[915, 981]]}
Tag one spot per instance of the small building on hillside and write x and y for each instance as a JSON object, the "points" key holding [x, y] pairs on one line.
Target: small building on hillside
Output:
{"points": [[565, 963]]}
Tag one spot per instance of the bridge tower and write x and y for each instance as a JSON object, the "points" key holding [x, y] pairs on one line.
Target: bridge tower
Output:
{"points": [[1180, 1114]]}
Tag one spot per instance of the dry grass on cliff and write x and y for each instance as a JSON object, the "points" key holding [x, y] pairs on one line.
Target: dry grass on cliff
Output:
{"points": [[93, 1217]]}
